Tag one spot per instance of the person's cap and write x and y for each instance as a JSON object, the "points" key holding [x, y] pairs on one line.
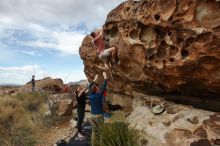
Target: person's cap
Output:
{"points": [[158, 109]]}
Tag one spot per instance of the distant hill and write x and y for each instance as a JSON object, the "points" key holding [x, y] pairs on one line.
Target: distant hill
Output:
{"points": [[9, 85], [77, 82]]}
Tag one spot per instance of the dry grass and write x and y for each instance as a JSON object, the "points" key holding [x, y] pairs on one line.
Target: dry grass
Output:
{"points": [[118, 116], [20, 118]]}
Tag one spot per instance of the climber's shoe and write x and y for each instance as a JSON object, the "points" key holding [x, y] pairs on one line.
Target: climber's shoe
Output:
{"points": [[61, 142], [107, 115]]}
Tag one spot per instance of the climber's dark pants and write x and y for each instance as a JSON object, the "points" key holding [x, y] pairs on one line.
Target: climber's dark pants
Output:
{"points": [[81, 114]]}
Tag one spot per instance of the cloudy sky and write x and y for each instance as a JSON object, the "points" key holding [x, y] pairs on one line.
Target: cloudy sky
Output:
{"points": [[42, 37]]}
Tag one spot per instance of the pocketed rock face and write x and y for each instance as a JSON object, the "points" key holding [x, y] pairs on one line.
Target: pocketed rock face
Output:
{"points": [[163, 46]]}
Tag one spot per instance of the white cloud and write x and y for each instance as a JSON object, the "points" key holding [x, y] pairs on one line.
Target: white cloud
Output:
{"points": [[17, 74], [69, 77], [53, 20], [22, 74], [6, 55], [23, 69], [64, 12], [66, 42], [31, 53], [39, 44]]}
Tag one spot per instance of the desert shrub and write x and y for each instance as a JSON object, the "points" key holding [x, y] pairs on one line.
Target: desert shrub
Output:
{"points": [[15, 126], [32, 101], [6, 119], [50, 120], [118, 134], [23, 136], [20, 118], [8, 102]]}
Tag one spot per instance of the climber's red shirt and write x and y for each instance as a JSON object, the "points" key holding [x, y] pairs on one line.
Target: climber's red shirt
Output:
{"points": [[100, 44]]}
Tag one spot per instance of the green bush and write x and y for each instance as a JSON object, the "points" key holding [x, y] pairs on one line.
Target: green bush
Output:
{"points": [[118, 134]]}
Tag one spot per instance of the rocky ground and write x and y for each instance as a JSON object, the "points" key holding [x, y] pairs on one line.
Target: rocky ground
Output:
{"points": [[67, 132], [82, 141], [177, 125]]}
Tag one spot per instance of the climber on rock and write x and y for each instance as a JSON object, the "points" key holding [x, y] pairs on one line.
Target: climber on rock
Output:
{"points": [[96, 100], [105, 54]]}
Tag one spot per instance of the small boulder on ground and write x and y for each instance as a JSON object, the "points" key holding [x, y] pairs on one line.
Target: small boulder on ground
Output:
{"points": [[61, 104]]}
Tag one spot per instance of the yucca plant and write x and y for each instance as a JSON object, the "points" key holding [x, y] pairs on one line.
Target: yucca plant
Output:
{"points": [[118, 134]]}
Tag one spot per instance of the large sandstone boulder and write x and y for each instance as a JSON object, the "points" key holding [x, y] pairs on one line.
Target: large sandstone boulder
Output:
{"points": [[164, 46], [169, 48]]}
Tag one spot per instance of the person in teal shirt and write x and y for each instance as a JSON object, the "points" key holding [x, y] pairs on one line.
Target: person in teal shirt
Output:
{"points": [[96, 100]]}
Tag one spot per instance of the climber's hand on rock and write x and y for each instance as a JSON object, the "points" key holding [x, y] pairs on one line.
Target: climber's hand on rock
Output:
{"points": [[104, 75]]}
